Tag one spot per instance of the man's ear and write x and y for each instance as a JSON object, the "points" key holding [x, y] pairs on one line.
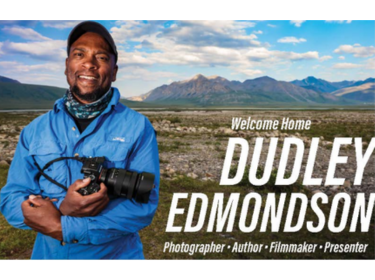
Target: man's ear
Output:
{"points": [[66, 66], [114, 73]]}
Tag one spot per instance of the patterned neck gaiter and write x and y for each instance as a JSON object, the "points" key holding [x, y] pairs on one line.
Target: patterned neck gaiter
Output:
{"points": [[86, 111]]}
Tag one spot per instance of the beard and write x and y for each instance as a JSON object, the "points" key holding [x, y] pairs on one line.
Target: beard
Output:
{"points": [[89, 97]]}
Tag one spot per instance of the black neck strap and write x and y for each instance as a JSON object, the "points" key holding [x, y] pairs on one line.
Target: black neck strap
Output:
{"points": [[48, 164]]}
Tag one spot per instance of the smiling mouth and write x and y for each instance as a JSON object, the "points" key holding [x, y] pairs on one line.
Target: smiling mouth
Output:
{"points": [[87, 77]]}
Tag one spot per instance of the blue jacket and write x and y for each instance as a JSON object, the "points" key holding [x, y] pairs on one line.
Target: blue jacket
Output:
{"points": [[127, 140]]}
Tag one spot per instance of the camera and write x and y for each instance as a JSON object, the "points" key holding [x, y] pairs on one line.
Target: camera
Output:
{"points": [[120, 182]]}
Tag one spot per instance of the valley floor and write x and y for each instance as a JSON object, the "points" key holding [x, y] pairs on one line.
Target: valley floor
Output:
{"points": [[192, 148]]}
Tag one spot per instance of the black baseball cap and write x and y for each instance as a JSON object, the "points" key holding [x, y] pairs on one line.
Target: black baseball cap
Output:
{"points": [[91, 26]]}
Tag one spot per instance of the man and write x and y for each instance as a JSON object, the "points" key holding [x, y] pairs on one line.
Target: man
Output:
{"points": [[88, 122]]}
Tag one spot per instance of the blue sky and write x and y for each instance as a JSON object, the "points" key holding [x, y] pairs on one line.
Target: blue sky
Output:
{"points": [[152, 53]]}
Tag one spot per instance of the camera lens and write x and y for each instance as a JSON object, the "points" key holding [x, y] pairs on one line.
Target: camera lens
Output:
{"points": [[144, 187], [129, 184]]}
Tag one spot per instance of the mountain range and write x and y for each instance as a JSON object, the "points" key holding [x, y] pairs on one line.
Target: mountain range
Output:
{"points": [[363, 92], [218, 91], [325, 86], [210, 91], [7, 80], [15, 95]]}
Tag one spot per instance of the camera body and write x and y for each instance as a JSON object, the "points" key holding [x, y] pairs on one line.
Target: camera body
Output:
{"points": [[92, 168], [119, 182]]}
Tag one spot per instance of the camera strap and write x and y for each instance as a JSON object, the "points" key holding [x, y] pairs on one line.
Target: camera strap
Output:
{"points": [[48, 164]]}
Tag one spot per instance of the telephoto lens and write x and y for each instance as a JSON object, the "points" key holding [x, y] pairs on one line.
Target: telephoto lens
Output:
{"points": [[119, 182], [129, 184]]}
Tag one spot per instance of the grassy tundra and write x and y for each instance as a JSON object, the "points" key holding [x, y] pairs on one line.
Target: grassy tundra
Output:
{"points": [[192, 148]]}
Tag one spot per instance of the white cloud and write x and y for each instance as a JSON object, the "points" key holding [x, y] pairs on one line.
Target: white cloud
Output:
{"points": [[35, 78], [258, 54], [189, 43], [25, 33], [220, 26], [200, 44], [297, 56], [195, 33], [324, 58], [346, 66], [342, 57], [9, 64], [228, 34], [18, 67], [248, 72], [356, 50], [258, 32], [271, 25], [291, 39], [134, 73], [211, 56], [370, 64], [132, 30], [297, 23], [47, 74], [315, 67], [43, 50], [60, 24], [339, 21], [133, 58]]}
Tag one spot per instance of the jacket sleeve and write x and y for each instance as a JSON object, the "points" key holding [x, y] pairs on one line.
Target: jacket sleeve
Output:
{"points": [[20, 184], [121, 216]]}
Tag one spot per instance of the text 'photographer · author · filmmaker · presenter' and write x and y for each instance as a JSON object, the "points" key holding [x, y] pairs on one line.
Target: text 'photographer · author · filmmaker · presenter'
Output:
{"points": [[85, 175]]}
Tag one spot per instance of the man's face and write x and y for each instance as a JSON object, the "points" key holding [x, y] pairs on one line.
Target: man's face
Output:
{"points": [[90, 68]]}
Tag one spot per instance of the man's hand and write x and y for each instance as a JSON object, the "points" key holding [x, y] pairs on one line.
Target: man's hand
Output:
{"points": [[77, 205], [42, 216]]}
